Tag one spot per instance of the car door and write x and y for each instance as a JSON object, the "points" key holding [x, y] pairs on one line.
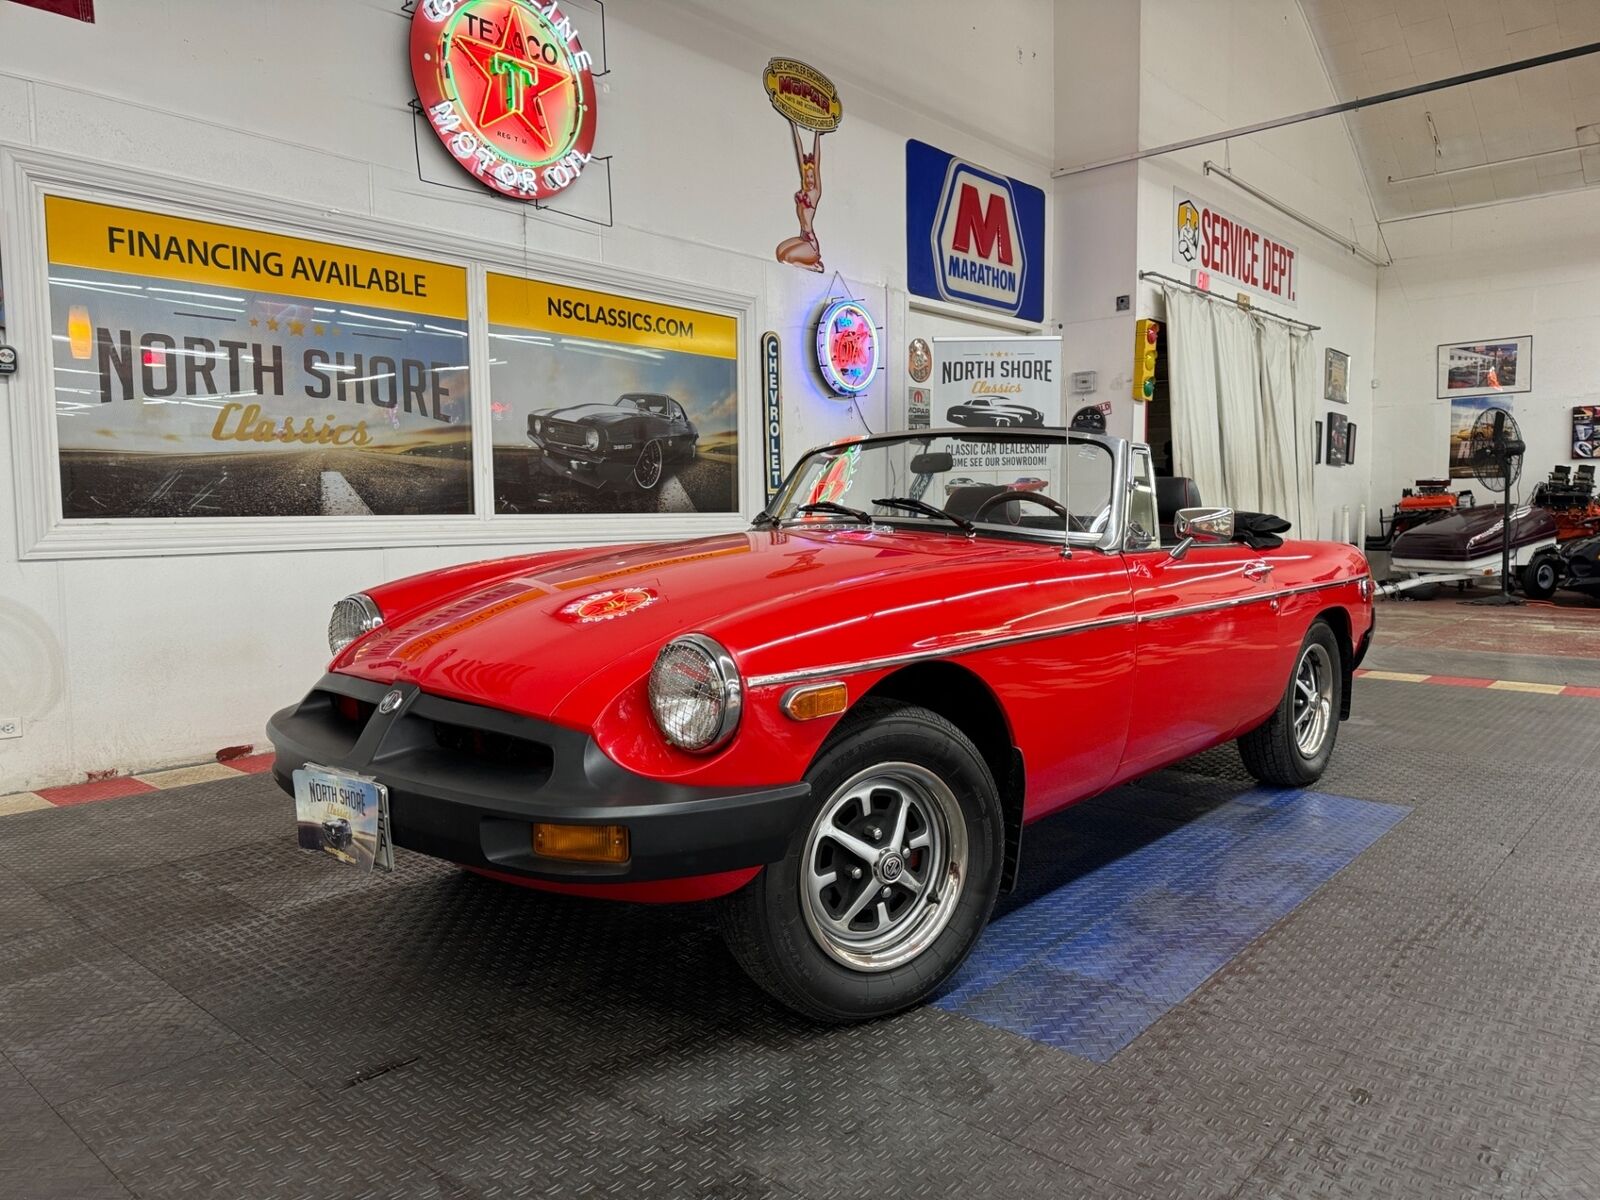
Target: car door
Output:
{"points": [[1206, 635]]}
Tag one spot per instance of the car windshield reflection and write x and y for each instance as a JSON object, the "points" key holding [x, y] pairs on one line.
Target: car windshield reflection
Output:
{"points": [[964, 483]]}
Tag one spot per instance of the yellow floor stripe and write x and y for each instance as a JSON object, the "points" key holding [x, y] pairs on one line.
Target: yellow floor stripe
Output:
{"points": [[21, 802], [1511, 685], [184, 776], [1396, 676]]}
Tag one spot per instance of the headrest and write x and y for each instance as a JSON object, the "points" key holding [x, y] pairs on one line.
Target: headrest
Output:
{"points": [[964, 501], [1174, 492]]}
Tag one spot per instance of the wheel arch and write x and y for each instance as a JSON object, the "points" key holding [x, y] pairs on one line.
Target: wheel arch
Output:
{"points": [[1338, 620], [963, 698]]}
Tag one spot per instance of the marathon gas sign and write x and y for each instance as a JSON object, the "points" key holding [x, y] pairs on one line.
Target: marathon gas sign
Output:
{"points": [[973, 236], [1205, 238]]}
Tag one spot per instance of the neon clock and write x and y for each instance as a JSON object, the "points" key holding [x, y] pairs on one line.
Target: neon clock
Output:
{"points": [[847, 347], [509, 89]]}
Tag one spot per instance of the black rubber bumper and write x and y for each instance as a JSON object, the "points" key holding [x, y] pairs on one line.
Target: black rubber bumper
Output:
{"points": [[466, 783]]}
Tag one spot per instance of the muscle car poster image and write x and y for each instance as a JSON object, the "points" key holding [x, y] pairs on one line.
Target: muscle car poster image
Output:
{"points": [[209, 371], [995, 385], [607, 403]]}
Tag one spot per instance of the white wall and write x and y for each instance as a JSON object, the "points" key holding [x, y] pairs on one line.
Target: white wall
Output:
{"points": [[1209, 67], [1532, 267], [132, 663]]}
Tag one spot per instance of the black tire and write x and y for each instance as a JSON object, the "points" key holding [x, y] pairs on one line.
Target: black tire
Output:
{"points": [[769, 926], [648, 471], [1273, 752], [1542, 576]]}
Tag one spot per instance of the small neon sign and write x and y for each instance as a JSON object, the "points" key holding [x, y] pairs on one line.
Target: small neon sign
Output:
{"points": [[847, 347]]}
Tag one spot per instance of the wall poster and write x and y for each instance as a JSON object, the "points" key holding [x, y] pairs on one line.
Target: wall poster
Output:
{"points": [[1464, 413], [995, 384], [607, 403], [1586, 431], [1338, 439], [1502, 365], [205, 370]]}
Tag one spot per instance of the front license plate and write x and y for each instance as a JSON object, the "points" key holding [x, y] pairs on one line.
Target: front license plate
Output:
{"points": [[345, 816]]}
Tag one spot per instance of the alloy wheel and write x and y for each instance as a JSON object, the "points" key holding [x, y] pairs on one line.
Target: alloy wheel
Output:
{"points": [[647, 471], [1313, 699]]}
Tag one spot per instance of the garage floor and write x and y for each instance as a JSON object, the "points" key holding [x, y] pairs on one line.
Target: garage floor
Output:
{"points": [[190, 1005]]}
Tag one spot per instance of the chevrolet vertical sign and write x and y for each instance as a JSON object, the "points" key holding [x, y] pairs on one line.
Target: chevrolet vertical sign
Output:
{"points": [[772, 410], [973, 236]]}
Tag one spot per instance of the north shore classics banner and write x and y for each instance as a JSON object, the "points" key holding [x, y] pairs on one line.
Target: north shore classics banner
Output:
{"points": [[206, 370]]}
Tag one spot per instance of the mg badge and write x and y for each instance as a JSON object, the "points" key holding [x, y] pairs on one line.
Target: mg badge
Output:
{"points": [[390, 702]]}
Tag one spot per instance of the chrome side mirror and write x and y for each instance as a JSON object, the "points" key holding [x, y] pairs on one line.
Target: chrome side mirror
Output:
{"points": [[1208, 526]]}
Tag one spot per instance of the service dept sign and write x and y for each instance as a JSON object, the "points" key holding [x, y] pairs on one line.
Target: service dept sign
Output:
{"points": [[1204, 238], [973, 236], [509, 90]]}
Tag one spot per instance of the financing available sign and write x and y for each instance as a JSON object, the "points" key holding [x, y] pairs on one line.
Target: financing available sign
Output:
{"points": [[1204, 238], [973, 236]]}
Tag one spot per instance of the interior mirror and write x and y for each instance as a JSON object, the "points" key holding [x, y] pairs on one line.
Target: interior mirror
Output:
{"points": [[932, 464], [1208, 526]]}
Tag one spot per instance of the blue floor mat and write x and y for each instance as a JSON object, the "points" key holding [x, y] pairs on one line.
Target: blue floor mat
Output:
{"points": [[1154, 910]]}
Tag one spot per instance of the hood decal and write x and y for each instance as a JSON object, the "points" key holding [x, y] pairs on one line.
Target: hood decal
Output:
{"points": [[606, 606]]}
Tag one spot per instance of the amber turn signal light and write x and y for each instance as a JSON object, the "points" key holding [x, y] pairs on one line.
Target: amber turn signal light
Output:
{"points": [[815, 700], [581, 843]]}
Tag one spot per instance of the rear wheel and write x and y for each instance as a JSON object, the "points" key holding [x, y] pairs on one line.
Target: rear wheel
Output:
{"points": [[890, 880], [1293, 747], [1542, 576]]}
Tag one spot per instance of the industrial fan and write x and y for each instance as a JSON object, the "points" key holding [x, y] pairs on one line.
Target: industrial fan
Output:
{"points": [[1495, 449]]}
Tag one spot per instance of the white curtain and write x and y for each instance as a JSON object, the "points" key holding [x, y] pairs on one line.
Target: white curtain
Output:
{"points": [[1280, 488], [1244, 397], [1192, 384], [1307, 392]]}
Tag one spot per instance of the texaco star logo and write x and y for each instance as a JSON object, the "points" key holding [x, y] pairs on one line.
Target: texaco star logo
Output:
{"points": [[508, 88]]}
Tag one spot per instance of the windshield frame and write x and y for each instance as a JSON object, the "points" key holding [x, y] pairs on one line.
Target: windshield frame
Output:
{"points": [[1109, 539]]}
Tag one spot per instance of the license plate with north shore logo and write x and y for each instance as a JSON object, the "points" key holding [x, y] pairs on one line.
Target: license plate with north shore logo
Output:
{"points": [[343, 816]]}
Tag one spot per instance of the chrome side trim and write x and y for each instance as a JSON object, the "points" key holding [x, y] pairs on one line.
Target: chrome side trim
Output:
{"points": [[900, 660], [805, 674]]}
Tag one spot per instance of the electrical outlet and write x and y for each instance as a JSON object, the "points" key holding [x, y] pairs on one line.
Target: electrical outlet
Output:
{"points": [[10, 727]]}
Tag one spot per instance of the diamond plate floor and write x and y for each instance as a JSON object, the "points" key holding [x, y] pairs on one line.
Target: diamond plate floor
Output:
{"points": [[190, 1006]]}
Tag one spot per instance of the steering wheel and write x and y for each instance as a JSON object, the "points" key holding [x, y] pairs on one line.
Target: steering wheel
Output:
{"points": [[1038, 498]]}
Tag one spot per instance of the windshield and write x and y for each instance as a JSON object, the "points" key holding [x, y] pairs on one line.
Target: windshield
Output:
{"points": [[966, 482]]}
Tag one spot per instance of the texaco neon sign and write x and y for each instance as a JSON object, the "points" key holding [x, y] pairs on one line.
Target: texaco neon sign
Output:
{"points": [[509, 90]]}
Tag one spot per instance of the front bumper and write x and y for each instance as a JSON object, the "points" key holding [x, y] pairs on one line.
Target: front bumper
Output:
{"points": [[591, 468], [467, 782]]}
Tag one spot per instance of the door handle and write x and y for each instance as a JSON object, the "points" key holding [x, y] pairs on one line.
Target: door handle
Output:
{"points": [[1257, 571]]}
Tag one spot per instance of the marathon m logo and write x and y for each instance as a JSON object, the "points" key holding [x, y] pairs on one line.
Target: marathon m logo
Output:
{"points": [[973, 236]]}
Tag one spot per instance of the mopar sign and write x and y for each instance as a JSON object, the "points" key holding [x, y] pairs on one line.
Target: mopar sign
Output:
{"points": [[973, 236]]}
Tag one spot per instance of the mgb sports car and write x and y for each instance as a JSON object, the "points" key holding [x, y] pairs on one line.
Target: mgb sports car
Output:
{"points": [[838, 723]]}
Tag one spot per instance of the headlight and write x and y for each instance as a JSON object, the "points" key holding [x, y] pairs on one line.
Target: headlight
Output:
{"points": [[353, 617], [695, 693], [591, 438], [538, 425]]}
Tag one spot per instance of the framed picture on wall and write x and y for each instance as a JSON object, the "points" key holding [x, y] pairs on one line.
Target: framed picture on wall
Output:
{"points": [[1338, 429], [1350, 444], [1318, 458], [1336, 376], [1500, 365], [1586, 431]]}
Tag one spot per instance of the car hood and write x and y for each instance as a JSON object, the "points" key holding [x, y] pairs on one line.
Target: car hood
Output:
{"points": [[527, 643], [593, 411]]}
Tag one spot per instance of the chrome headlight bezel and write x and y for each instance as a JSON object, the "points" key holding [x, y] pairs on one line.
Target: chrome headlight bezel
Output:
{"points": [[591, 439], [352, 619], [722, 674]]}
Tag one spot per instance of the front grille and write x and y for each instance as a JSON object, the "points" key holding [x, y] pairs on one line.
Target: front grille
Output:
{"points": [[497, 749], [565, 433]]}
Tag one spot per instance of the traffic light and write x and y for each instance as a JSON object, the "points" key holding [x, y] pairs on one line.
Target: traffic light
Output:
{"points": [[1145, 333]]}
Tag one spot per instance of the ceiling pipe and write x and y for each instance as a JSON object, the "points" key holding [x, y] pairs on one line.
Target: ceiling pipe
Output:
{"points": [[1495, 162], [1355, 248]]}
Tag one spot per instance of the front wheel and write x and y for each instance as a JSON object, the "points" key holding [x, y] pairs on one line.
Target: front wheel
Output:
{"points": [[1293, 747], [647, 471], [1541, 577], [888, 881]]}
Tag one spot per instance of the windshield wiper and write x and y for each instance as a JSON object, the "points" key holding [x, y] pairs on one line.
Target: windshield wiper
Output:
{"points": [[828, 506], [922, 506]]}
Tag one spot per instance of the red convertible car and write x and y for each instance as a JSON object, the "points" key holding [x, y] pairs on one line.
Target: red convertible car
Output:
{"points": [[839, 723]]}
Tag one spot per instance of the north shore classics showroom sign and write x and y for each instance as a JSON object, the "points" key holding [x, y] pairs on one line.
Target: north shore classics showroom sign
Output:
{"points": [[508, 88], [1204, 238], [206, 370], [973, 236]]}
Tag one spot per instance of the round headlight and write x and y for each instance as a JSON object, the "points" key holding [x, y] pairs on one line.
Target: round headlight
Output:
{"points": [[591, 438], [353, 617], [538, 425], [695, 693]]}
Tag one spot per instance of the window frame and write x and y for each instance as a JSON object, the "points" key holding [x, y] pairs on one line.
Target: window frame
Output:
{"points": [[44, 534]]}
